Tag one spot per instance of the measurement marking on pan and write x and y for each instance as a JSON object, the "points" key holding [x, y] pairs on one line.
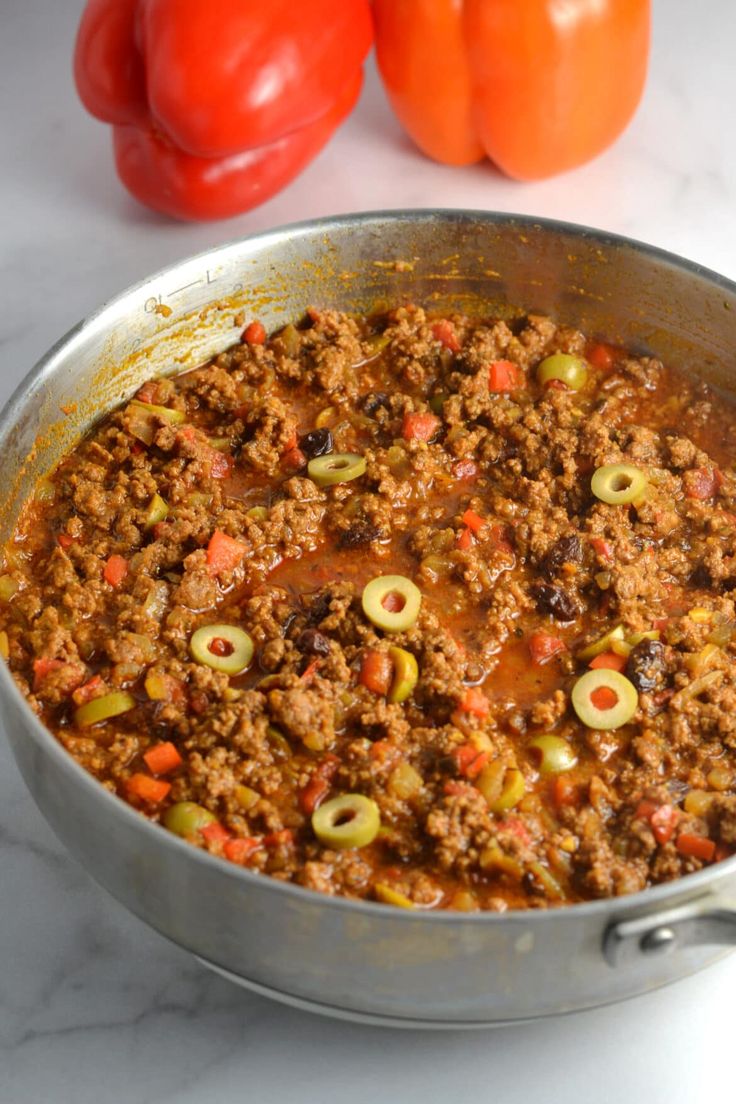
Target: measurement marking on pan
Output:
{"points": [[153, 304], [185, 287]]}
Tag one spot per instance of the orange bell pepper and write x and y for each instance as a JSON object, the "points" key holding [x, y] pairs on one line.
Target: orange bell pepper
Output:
{"points": [[539, 87]]}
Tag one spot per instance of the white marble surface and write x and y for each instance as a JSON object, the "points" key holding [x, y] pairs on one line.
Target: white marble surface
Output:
{"points": [[93, 1006]]}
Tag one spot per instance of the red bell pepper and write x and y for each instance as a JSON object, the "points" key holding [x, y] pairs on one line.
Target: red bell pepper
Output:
{"points": [[224, 553], [115, 570], [216, 106], [538, 86], [419, 426], [474, 701], [376, 671], [543, 647], [465, 540], [162, 758], [504, 375], [608, 661]]}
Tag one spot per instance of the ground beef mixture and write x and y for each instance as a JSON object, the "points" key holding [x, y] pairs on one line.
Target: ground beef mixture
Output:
{"points": [[444, 747]]}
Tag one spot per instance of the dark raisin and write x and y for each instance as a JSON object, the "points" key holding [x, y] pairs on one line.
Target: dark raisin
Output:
{"points": [[555, 601], [373, 401], [701, 577], [447, 764], [318, 442], [565, 550], [360, 532], [646, 666], [319, 608], [313, 642]]}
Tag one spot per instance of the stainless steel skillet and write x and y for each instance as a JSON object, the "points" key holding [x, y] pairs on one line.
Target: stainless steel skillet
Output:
{"points": [[354, 959]]}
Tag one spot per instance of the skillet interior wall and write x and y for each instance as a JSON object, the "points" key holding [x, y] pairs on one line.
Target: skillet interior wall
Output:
{"points": [[479, 264]]}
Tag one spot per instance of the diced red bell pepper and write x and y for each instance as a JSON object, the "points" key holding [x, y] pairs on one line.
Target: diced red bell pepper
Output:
{"points": [[221, 464], [214, 833], [470, 761], [504, 375], [240, 850], [474, 521], [465, 469], [696, 847], [564, 791], [254, 334], [474, 701], [284, 838], [601, 355], [444, 332], [608, 661], [313, 794], [115, 570], [501, 536], [702, 483], [376, 671], [662, 818], [93, 688], [381, 749], [543, 647], [602, 548], [65, 540], [465, 540], [42, 667], [310, 671], [162, 758], [147, 393], [454, 788], [517, 826], [148, 789], [663, 821], [420, 426], [224, 553], [294, 459]]}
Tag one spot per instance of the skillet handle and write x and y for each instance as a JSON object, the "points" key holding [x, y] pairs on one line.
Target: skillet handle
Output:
{"points": [[699, 922]]}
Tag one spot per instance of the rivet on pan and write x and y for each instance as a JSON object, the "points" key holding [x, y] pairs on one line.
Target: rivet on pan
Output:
{"points": [[659, 941]]}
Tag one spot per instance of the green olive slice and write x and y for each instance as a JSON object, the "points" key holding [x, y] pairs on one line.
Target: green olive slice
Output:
{"points": [[392, 602], [8, 587], [156, 512], [187, 818], [103, 708], [604, 643], [389, 896], [512, 791], [604, 699], [351, 820], [336, 467], [222, 647], [552, 754], [570, 370], [406, 674], [142, 419], [618, 484], [173, 417]]}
